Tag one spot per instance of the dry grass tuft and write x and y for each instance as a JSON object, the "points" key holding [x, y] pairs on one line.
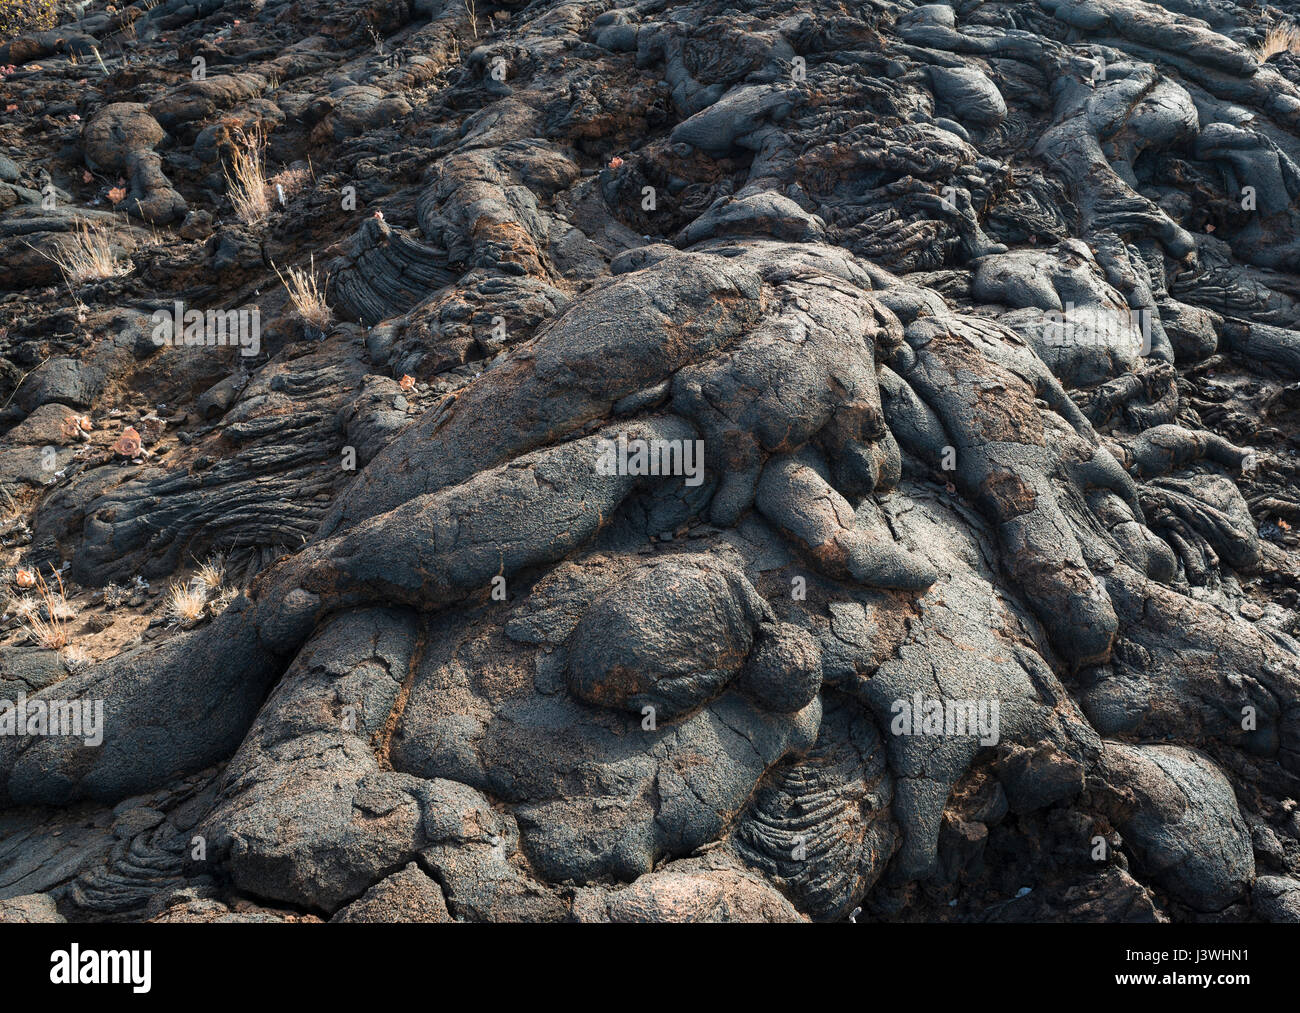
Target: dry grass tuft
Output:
{"points": [[246, 180], [307, 296], [89, 256], [46, 617], [25, 607], [211, 575], [221, 601], [11, 513], [1283, 38], [185, 603], [288, 183]]}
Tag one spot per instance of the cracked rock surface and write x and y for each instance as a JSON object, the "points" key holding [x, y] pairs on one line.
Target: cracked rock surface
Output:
{"points": [[779, 463]]}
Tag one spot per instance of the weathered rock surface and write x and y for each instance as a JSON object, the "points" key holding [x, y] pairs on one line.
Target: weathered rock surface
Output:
{"points": [[738, 465]]}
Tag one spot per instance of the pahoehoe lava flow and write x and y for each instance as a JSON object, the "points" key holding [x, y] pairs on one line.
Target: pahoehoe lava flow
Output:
{"points": [[650, 460]]}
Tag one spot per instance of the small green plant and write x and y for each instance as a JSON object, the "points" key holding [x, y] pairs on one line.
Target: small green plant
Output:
{"points": [[19, 16]]}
